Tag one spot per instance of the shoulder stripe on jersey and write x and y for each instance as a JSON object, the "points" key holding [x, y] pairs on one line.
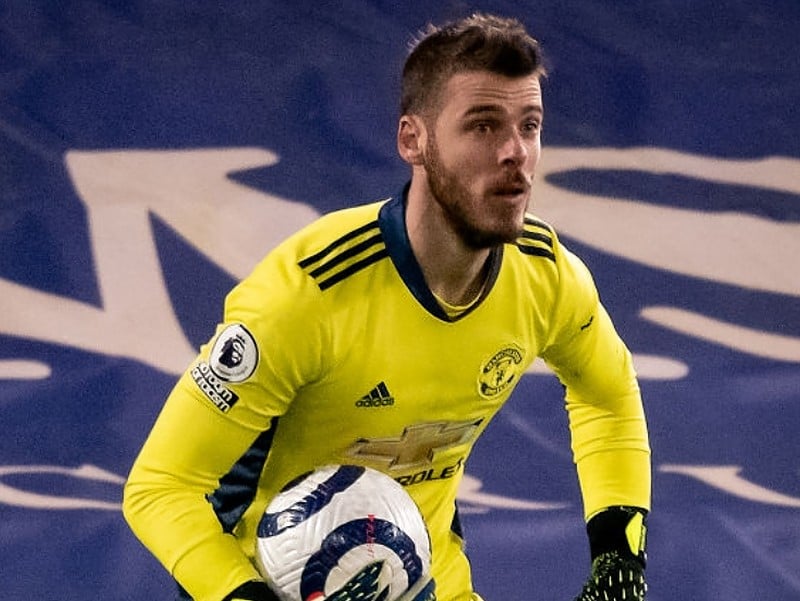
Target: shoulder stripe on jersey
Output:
{"points": [[536, 223], [337, 243], [355, 267], [346, 255], [536, 239], [536, 252], [538, 236]]}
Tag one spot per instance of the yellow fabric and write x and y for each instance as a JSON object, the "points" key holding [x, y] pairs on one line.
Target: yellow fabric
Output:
{"points": [[168, 484], [359, 371], [454, 311]]}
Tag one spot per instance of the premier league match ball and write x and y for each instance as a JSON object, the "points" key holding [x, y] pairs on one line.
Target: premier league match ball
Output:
{"points": [[345, 532]]}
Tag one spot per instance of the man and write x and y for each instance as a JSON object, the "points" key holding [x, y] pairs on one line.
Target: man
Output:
{"points": [[436, 301]]}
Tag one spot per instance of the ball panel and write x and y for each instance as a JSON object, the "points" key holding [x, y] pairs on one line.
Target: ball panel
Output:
{"points": [[317, 489], [359, 539], [343, 528]]}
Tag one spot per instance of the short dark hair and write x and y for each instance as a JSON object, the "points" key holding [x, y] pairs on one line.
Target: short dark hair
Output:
{"points": [[480, 42]]}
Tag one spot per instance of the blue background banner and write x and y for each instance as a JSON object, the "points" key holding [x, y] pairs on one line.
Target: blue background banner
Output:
{"points": [[152, 151]]}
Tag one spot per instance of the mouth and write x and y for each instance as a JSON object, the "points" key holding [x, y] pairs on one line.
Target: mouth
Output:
{"points": [[511, 191], [512, 186]]}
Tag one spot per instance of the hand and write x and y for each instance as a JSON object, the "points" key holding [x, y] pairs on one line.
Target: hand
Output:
{"points": [[614, 578]]}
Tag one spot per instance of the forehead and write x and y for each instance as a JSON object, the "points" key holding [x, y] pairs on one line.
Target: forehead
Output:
{"points": [[463, 92]]}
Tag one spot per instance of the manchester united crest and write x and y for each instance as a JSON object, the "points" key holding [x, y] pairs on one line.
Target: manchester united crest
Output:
{"points": [[501, 371]]}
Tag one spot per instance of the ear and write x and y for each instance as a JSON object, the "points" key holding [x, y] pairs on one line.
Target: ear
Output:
{"points": [[411, 139]]}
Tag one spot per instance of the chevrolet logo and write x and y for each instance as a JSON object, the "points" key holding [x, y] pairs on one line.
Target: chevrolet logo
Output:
{"points": [[416, 445]]}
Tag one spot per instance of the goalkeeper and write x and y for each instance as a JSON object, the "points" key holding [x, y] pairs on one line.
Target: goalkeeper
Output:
{"points": [[389, 335]]}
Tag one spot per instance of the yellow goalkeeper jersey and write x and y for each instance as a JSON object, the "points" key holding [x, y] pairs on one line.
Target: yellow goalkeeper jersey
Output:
{"points": [[334, 351]]}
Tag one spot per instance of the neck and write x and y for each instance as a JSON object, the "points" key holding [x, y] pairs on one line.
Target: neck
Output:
{"points": [[453, 271]]}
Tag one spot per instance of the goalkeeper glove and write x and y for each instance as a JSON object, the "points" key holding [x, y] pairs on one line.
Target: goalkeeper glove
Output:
{"points": [[617, 541], [252, 591]]}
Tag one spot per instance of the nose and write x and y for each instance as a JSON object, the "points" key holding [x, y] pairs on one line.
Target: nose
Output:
{"points": [[514, 149]]}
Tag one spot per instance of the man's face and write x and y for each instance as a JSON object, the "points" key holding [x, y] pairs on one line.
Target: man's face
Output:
{"points": [[481, 154]]}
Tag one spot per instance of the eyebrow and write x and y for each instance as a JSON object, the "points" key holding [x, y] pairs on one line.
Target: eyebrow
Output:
{"points": [[482, 109]]}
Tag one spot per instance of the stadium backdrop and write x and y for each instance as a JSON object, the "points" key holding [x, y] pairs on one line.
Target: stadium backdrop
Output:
{"points": [[152, 151]]}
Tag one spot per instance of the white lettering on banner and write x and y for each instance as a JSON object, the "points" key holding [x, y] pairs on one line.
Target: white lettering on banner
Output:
{"points": [[778, 347], [21, 498], [648, 367], [231, 224], [235, 225], [471, 498], [736, 248], [727, 479], [24, 369]]}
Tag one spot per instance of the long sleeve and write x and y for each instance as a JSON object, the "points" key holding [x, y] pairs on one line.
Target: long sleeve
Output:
{"points": [[607, 422], [188, 450]]}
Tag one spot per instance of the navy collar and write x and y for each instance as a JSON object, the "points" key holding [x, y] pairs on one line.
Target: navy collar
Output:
{"points": [[392, 223]]}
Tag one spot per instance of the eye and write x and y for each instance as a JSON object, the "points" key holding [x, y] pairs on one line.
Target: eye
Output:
{"points": [[531, 128], [482, 127]]}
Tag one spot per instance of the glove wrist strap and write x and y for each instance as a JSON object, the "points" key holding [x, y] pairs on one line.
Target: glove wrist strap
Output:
{"points": [[620, 529]]}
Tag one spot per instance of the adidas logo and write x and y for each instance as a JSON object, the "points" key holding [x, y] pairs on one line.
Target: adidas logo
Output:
{"points": [[377, 397]]}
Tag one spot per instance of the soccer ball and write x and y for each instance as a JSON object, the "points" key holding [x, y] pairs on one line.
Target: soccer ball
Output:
{"points": [[345, 532]]}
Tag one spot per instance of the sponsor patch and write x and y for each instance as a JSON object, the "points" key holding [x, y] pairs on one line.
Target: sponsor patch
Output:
{"points": [[213, 388], [416, 446], [234, 355], [500, 372]]}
